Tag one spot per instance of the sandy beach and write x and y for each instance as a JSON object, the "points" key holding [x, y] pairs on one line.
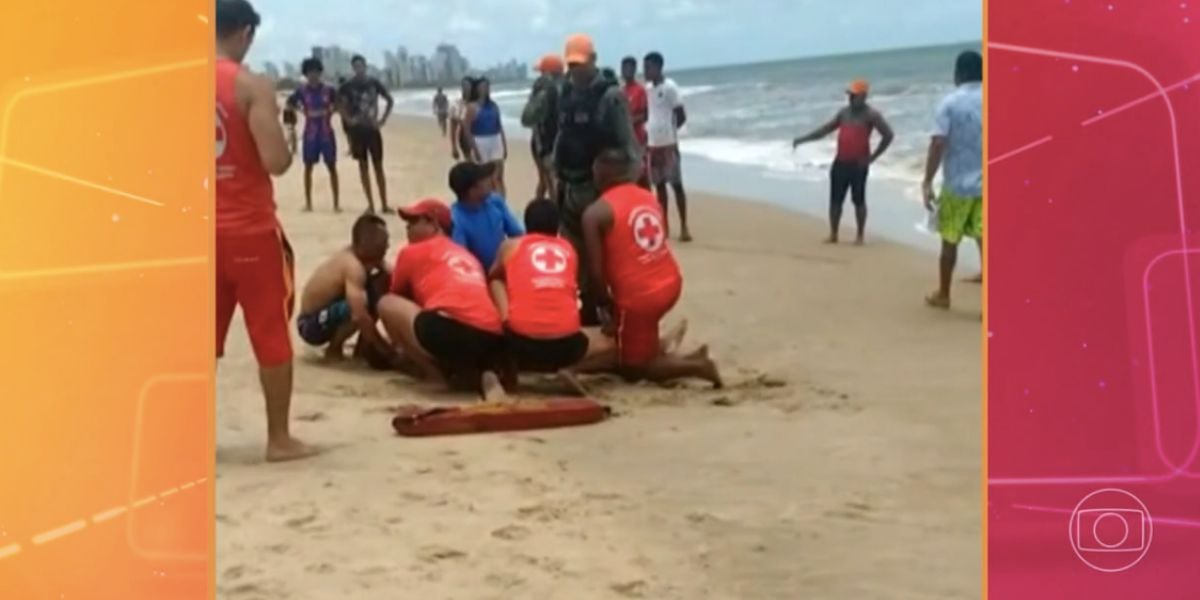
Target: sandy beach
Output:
{"points": [[842, 461]]}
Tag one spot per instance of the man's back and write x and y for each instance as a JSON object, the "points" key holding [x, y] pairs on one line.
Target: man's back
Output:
{"points": [[440, 275], [960, 120], [244, 194], [637, 259], [540, 275], [483, 227]]}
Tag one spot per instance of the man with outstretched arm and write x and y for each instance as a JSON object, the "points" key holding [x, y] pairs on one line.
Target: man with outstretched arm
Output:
{"points": [[854, 125]]}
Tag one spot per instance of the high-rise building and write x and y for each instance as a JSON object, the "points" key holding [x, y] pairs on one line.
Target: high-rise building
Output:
{"points": [[271, 71]]}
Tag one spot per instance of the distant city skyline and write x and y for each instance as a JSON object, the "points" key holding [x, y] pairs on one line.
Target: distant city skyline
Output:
{"points": [[691, 33], [399, 68]]}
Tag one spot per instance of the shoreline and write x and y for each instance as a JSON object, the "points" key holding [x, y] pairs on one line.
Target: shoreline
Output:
{"points": [[894, 213], [847, 439]]}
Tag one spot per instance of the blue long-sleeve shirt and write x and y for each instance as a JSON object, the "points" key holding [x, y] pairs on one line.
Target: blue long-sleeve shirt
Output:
{"points": [[481, 228]]}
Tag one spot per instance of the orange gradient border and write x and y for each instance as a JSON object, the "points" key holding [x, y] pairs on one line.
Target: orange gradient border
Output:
{"points": [[106, 299]]}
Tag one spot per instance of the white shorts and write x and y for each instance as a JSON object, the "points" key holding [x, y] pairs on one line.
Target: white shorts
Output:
{"points": [[491, 148]]}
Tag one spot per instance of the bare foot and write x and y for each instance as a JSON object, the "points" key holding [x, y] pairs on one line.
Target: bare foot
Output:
{"points": [[859, 241], [830, 240], [337, 209], [490, 387], [685, 237], [568, 377], [335, 353], [674, 337], [938, 300], [289, 448], [307, 209], [701, 352], [975, 279], [710, 372]]}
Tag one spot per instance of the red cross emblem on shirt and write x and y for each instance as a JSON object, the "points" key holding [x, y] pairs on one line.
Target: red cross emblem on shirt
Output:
{"points": [[648, 231], [548, 259], [462, 266]]}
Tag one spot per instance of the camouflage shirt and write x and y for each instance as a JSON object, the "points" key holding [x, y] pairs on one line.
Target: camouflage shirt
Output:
{"points": [[613, 112]]}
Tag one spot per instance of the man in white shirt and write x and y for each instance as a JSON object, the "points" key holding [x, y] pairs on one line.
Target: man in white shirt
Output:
{"points": [[957, 147], [666, 116]]}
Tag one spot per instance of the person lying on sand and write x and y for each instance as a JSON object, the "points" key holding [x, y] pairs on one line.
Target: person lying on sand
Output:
{"points": [[635, 278], [340, 298], [438, 309], [534, 285]]}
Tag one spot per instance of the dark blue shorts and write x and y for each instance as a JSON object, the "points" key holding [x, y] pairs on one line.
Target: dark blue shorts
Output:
{"points": [[320, 148], [318, 328]]}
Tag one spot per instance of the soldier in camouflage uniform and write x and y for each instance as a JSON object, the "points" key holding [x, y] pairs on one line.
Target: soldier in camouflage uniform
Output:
{"points": [[592, 114]]}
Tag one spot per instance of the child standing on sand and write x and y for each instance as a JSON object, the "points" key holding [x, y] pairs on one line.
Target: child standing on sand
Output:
{"points": [[482, 220]]}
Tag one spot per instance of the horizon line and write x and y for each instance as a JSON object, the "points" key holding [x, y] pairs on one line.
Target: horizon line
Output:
{"points": [[764, 61]]}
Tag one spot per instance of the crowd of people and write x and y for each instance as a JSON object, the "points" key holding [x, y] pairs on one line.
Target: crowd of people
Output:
{"points": [[476, 297]]}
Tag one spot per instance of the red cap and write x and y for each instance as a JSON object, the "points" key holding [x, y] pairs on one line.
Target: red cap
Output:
{"points": [[430, 207]]}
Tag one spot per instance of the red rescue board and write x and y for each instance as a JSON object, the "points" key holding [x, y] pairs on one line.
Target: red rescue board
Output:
{"points": [[420, 421]]}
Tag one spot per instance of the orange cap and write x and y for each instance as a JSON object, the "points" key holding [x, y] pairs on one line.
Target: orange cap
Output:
{"points": [[430, 207], [550, 63], [858, 86], [579, 49]]}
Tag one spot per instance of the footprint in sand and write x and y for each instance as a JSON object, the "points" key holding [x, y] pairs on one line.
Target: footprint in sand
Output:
{"points": [[306, 523], [543, 512], [630, 589], [320, 568], [439, 553], [237, 572], [853, 511], [505, 581], [511, 533]]}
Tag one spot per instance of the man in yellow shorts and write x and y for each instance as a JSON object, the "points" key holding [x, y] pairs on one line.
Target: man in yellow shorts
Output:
{"points": [[957, 148]]}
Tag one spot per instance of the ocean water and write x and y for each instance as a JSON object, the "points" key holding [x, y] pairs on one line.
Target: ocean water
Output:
{"points": [[747, 115], [741, 120]]}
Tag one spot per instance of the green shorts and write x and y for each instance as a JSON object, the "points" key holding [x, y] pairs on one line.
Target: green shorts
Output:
{"points": [[959, 217]]}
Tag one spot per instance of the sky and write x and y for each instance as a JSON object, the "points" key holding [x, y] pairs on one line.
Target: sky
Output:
{"points": [[689, 33]]}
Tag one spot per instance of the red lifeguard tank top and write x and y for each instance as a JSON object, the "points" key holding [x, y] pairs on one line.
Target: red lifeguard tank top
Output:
{"points": [[542, 290], [854, 142], [638, 264], [245, 196]]}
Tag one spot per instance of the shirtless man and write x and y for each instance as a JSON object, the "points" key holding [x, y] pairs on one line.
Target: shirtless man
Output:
{"points": [[441, 110], [341, 296], [636, 279], [855, 123], [438, 308]]}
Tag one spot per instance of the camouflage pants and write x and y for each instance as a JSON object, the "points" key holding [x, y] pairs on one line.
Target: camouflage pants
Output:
{"points": [[573, 200]]}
